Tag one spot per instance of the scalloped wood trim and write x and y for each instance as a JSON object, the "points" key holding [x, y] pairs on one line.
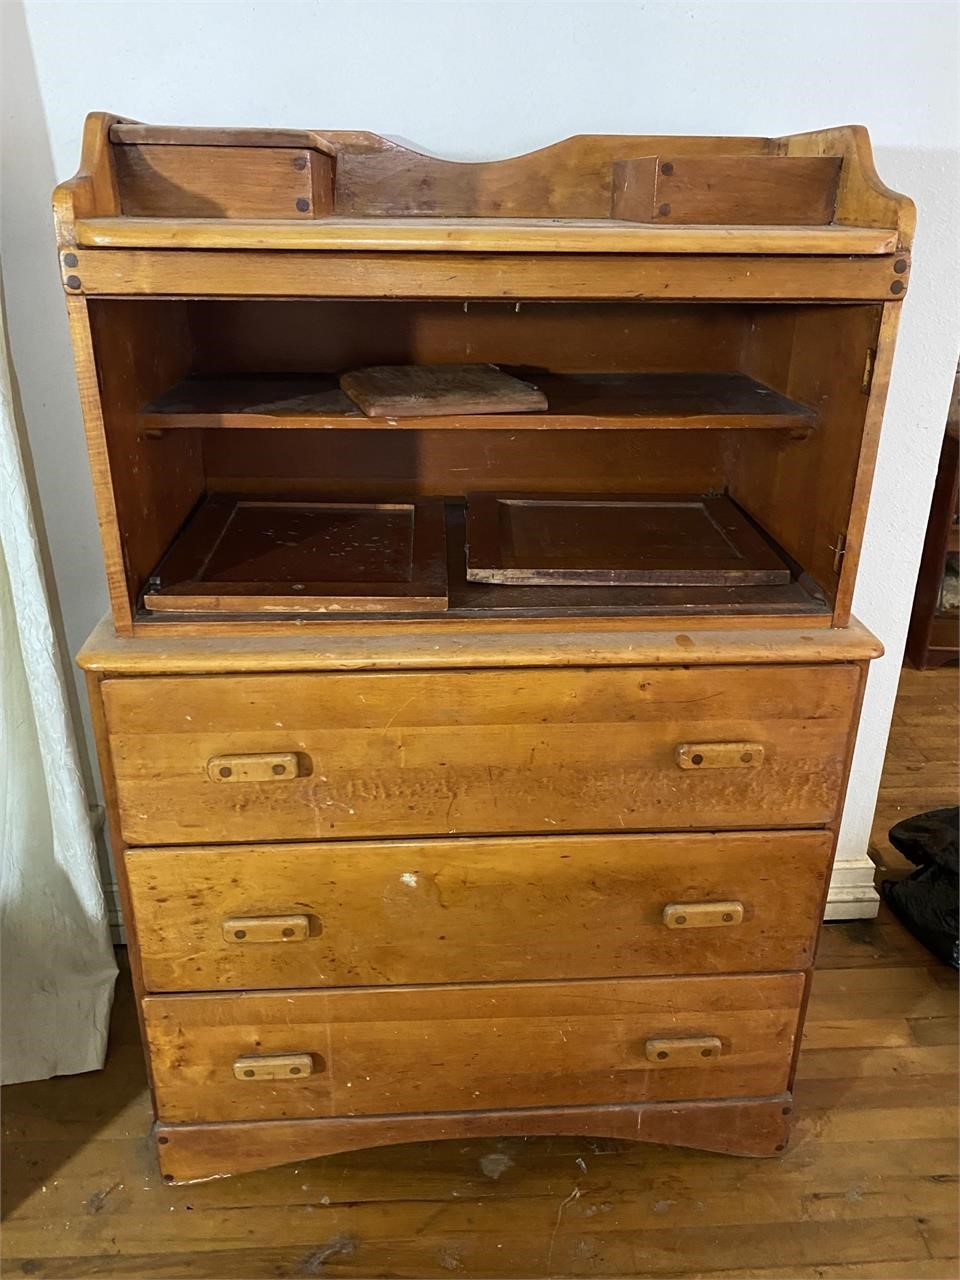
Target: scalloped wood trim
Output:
{"points": [[739, 1126]]}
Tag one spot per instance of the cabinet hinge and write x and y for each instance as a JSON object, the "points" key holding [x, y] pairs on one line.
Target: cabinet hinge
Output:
{"points": [[839, 550], [868, 365]]}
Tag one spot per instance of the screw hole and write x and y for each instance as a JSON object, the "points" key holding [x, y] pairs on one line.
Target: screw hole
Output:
{"points": [[168, 1177], [663, 1054], [279, 768], [696, 758], [294, 1071], [899, 266], [897, 287], [747, 757], [249, 1073], [71, 260], [300, 163], [681, 920], [303, 205], [288, 933], [73, 282], [666, 168], [727, 917], [225, 771], [163, 1141], [240, 933], [706, 1053]]}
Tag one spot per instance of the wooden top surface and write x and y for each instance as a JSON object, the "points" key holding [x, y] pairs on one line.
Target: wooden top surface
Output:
{"points": [[489, 235], [424, 645]]}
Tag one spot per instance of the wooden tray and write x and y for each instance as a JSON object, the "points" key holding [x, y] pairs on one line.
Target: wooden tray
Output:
{"points": [[580, 540], [243, 554], [435, 390]]}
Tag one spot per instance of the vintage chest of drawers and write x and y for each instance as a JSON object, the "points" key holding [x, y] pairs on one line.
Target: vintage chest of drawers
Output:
{"points": [[552, 859]]}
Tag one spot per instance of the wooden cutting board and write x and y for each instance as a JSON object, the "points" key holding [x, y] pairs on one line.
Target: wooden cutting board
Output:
{"points": [[436, 390]]}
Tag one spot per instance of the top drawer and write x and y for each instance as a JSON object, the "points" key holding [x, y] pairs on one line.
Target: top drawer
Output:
{"points": [[319, 755]]}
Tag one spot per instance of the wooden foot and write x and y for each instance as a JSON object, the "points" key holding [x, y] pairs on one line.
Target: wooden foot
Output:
{"points": [[742, 1126]]}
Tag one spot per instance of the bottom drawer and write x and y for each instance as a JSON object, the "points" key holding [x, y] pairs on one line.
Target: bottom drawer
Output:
{"points": [[396, 1050]]}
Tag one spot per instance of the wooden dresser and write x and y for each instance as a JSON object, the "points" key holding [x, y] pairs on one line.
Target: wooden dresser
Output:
{"points": [[460, 827]]}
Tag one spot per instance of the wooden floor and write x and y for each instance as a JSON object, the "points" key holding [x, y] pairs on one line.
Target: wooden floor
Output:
{"points": [[922, 768], [867, 1188]]}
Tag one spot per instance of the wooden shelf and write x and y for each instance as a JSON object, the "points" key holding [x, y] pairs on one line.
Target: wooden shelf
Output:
{"points": [[480, 235], [615, 401]]}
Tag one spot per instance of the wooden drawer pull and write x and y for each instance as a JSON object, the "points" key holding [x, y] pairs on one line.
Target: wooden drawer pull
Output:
{"points": [[702, 915], [272, 766], [280, 1066], [266, 928], [684, 1051], [719, 755]]}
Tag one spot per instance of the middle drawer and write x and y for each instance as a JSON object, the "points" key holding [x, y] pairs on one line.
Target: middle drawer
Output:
{"points": [[476, 910]]}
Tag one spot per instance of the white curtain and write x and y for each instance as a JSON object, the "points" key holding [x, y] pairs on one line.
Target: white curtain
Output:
{"points": [[57, 967]]}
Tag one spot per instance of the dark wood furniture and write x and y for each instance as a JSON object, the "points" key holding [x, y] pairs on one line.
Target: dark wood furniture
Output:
{"points": [[934, 635], [535, 855]]}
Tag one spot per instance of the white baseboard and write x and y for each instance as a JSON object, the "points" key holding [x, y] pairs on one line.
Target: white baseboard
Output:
{"points": [[852, 894]]}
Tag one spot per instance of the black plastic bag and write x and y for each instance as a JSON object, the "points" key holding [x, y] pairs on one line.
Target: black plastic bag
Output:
{"points": [[927, 901]]}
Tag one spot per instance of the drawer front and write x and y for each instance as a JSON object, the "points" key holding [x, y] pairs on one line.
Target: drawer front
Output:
{"points": [[207, 758], [470, 1048], [476, 910]]}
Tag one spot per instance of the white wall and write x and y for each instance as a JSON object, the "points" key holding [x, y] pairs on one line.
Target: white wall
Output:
{"points": [[488, 79]]}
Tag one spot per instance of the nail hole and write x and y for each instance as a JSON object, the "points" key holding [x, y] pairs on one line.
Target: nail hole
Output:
{"points": [[225, 771], [163, 1141], [168, 1177], [780, 1146], [279, 768], [240, 933], [663, 1054], [697, 758]]}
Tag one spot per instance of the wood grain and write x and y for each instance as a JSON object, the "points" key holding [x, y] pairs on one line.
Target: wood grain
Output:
{"points": [[442, 390], [577, 540], [475, 910], [346, 646], [213, 182], [472, 235], [766, 273], [278, 554], [474, 752], [749, 1127], [577, 402], [472, 1048]]}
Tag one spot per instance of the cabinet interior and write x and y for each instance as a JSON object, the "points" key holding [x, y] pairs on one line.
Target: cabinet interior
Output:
{"points": [[761, 403]]}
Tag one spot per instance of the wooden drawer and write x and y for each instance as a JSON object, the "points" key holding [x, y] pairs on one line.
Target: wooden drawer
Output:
{"points": [[475, 752], [408, 1049], [438, 911]]}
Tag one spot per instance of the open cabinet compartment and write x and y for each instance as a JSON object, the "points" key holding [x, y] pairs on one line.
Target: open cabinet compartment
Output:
{"points": [[731, 400]]}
